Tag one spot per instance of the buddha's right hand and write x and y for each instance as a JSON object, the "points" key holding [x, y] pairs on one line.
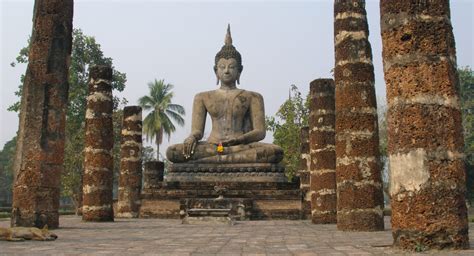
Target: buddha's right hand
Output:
{"points": [[189, 145]]}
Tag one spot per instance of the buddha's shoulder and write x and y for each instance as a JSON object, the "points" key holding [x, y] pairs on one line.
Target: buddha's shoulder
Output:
{"points": [[252, 94], [204, 94], [212, 93]]}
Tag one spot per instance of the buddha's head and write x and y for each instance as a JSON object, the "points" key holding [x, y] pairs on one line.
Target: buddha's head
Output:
{"points": [[228, 62]]}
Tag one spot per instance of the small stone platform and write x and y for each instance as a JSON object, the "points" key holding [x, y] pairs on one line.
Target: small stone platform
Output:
{"points": [[208, 216]]}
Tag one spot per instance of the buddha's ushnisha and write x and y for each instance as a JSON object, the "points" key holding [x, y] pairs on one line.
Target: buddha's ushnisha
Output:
{"points": [[238, 120]]}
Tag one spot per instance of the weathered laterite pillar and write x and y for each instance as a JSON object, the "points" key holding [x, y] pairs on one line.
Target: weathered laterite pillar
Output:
{"points": [[303, 173], [130, 180], [323, 153], [98, 160], [425, 141], [152, 174], [359, 183], [40, 147]]}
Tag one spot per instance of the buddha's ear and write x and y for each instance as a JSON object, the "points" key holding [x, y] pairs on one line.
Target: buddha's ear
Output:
{"points": [[217, 77], [238, 78]]}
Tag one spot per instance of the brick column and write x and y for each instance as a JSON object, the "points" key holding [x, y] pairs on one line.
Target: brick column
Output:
{"points": [[359, 183], [425, 141], [153, 174], [98, 160], [323, 155], [40, 147], [130, 180], [303, 173]]}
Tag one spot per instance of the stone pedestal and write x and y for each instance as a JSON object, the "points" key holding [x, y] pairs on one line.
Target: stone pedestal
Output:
{"points": [[40, 147], [268, 200], [323, 155], [425, 140], [238, 172], [358, 174], [130, 180], [99, 142]]}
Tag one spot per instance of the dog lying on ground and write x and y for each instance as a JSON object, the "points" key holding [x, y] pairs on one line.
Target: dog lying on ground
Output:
{"points": [[27, 233]]}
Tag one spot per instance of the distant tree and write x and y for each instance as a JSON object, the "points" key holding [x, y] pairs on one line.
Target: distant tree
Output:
{"points": [[291, 117], [382, 121], [147, 154], [466, 81], [86, 52], [162, 112], [7, 155]]}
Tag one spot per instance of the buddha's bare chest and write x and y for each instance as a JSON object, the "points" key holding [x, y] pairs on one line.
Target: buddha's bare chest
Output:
{"points": [[227, 104]]}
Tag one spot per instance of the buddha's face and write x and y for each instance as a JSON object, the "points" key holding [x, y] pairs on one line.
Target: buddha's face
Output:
{"points": [[227, 70]]}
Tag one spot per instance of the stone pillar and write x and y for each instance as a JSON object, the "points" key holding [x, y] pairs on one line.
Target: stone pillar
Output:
{"points": [[358, 174], [425, 141], [153, 174], [130, 180], [323, 155], [99, 142], [40, 147], [304, 173]]}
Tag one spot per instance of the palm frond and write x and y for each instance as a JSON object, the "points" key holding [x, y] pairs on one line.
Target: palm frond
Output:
{"points": [[175, 117], [176, 108]]}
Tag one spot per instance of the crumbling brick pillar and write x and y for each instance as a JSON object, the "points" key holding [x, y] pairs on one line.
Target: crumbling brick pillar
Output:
{"points": [[425, 141], [303, 173], [323, 153], [40, 147], [130, 180], [359, 182], [99, 142], [153, 174]]}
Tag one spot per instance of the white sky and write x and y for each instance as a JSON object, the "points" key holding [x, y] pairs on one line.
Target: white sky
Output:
{"points": [[281, 42]]}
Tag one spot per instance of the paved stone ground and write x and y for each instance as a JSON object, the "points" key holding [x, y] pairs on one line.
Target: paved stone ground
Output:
{"points": [[170, 237]]}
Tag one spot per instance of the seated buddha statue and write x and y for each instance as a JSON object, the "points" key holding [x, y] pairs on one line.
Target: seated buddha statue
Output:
{"points": [[238, 120]]}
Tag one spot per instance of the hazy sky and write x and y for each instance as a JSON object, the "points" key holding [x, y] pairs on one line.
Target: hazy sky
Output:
{"points": [[281, 42]]}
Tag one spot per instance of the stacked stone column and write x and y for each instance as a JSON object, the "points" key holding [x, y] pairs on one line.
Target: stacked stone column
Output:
{"points": [[304, 173], [359, 183], [130, 180], [425, 141], [99, 142], [40, 147], [322, 149]]}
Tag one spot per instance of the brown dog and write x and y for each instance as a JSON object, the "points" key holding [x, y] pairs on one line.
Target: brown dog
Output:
{"points": [[27, 233]]}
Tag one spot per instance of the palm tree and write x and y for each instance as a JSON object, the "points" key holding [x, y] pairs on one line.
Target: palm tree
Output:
{"points": [[159, 120]]}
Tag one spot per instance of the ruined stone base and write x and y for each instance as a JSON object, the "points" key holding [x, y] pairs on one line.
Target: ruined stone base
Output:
{"points": [[360, 220], [324, 218], [244, 172], [260, 200], [438, 240], [34, 219]]}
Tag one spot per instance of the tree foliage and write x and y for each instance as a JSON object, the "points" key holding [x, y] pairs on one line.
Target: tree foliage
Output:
{"points": [[7, 155], [86, 52], [162, 112], [286, 125], [466, 81]]}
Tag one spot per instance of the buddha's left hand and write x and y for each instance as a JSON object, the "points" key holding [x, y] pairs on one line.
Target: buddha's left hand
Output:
{"points": [[231, 142]]}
